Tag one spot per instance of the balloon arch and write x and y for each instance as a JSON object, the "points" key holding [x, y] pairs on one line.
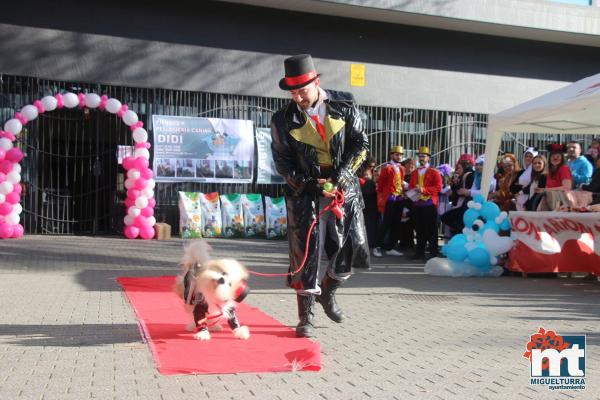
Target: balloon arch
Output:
{"points": [[140, 184]]}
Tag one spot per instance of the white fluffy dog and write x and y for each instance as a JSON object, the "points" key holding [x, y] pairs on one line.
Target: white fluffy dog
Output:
{"points": [[211, 289]]}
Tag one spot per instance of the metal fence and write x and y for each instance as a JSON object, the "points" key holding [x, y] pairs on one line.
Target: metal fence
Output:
{"points": [[74, 185]]}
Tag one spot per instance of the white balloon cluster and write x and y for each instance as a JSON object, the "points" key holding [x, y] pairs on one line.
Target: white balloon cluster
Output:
{"points": [[140, 184]]}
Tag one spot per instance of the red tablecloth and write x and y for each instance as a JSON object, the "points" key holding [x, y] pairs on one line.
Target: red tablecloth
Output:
{"points": [[555, 242]]}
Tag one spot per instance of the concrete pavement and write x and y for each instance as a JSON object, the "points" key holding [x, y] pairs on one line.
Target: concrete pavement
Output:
{"points": [[67, 330]]}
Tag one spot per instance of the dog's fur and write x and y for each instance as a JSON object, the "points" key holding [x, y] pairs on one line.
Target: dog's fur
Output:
{"points": [[208, 288]]}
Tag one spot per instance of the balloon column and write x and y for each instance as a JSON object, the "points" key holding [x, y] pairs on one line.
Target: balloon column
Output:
{"points": [[475, 251], [140, 184]]}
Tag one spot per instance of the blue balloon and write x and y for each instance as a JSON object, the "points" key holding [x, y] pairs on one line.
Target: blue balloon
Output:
{"points": [[478, 198], [470, 216], [458, 240], [491, 224], [456, 253], [505, 225], [479, 257], [489, 210]]}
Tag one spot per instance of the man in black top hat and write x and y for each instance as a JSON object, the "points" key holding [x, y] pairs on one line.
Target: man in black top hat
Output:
{"points": [[319, 137]]}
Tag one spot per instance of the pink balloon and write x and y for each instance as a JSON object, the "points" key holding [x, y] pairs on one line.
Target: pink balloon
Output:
{"points": [[128, 162], [2, 154], [140, 183], [151, 202], [17, 188], [140, 163], [13, 198], [2, 177], [131, 232], [133, 194], [6, 166], [140, 222], [18, 231], [15, 155], [146, 173], [147, 212], [129, 202], [6, 230], [147, 233], [5, 208]]}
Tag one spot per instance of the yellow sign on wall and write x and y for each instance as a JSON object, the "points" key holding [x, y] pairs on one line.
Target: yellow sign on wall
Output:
{"points": [[357, 74]]}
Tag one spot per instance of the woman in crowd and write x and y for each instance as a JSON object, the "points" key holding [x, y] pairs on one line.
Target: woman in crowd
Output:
{"points": [[559, 178], [460, 194], [538, 181], [594, 185], [524, 178], [503, 196]]}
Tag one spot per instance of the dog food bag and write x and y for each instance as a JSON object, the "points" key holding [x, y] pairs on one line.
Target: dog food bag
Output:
{"points": [[190, 215], [254, 218], [233, 216], [276, 217], [211, 214]]}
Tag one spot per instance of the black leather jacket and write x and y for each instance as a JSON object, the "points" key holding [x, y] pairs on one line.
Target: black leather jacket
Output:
{"points": [[297, 162]]}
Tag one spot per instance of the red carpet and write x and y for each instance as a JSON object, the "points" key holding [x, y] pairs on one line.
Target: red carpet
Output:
{"points": [[272, 347]]}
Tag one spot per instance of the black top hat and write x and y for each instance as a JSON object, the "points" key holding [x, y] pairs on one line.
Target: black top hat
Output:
{"points": [[299, 72]]}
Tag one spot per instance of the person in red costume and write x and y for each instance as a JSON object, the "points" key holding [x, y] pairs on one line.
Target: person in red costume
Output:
{"points": [[427, 182], [390, 202]]}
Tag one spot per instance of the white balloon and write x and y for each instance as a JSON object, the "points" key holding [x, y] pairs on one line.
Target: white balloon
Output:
{"points": [[30, 112], [12, 218], [152, 221], [471, 204], [134, 212], [2, 198], [13, 126], [113, 106], [133, 173], [6, 187], [128, 183], [70, 100], [13, 177], [151, 183], [16, 168], [141, 153], [17, 209], [496, 244], [128, 220], [130, 117], [140, 135], [5, 144], [92, 100], [148, 193], [49, 103], [141, 202]]}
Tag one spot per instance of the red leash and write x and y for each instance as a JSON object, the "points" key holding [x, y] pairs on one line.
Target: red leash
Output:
{"points": [[335, 207]]}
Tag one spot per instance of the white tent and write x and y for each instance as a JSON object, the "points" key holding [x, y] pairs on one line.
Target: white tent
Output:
{"points": [[573, 109]]}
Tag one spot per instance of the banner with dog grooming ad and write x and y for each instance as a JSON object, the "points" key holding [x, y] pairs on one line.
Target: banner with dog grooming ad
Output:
{"points": [[547, 242], [266, 172], [192, 149]]}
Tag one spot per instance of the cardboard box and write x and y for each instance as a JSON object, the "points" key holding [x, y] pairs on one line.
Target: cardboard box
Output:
{"points": [[163, 231]]}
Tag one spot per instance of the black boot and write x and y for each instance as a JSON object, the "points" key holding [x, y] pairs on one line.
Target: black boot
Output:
{"points": [[327, 299], [306, 314]]}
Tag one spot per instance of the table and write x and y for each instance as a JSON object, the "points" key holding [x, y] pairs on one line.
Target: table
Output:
{"points": [[547, 242]]}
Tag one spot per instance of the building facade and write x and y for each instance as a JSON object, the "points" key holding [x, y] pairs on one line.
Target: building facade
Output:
{"points": [[426, 72]]}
